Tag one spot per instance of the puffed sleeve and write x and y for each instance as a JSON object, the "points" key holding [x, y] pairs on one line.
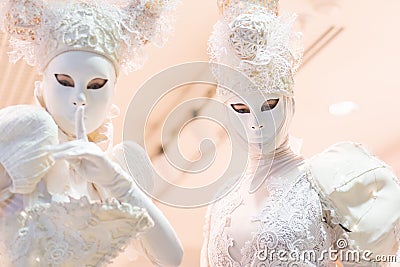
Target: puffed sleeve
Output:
{"points": [[160, 244], [134, 160], [5, 183], [25, 131], [362, 194]]}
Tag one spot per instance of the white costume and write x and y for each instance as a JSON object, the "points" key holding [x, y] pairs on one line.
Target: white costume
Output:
{"points": [[287, 210], [63, 200]]}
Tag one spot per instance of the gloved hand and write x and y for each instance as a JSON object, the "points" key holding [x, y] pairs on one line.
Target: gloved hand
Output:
{"points": [[90, 161], [161, 243]]}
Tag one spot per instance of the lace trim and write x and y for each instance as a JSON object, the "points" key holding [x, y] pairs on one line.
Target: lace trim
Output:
{"points": [[40, 30], [290, 221], [220, 219], [78, 233], [260, 45]]}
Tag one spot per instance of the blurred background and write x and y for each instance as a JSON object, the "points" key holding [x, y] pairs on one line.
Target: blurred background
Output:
{"points": [[348, 89]]}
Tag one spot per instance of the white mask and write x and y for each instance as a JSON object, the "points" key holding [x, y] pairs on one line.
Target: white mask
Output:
{"points": [[264, 119], [77, 78]]}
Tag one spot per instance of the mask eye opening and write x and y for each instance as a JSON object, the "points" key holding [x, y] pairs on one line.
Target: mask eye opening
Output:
{"points": [[270, 104], [96, 83], [64, 80], [240, 108]]}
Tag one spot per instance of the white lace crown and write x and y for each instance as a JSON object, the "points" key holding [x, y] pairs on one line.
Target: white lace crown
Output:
{"points": [[253, 39], [42, 29]]}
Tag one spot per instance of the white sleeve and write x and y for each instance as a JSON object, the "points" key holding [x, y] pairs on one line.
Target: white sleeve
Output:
{"points": [[134, 160], [25, 133], [160, 243], [362, 194], [5, 183]]}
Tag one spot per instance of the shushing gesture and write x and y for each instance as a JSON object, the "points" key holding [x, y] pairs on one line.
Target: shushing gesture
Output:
{"points": [[86, 157]]}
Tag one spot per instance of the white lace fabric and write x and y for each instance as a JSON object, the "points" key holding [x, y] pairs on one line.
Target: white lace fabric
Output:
{"points": [[62, 220], [260, 45], [78, 233], [291, 220], [344, 195], [40, 30], [344, 192]]}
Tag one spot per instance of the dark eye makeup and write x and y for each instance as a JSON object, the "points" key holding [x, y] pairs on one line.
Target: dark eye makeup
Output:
{"points": [[97, 83], [240, 108], [66, 80], [269, 104]]}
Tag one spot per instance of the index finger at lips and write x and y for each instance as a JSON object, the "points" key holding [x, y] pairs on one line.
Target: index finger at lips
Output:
{"points": [[80, 124]]}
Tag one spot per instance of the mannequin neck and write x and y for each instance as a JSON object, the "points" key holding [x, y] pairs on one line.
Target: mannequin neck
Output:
{"points": [[265, 156], [278, 162]]}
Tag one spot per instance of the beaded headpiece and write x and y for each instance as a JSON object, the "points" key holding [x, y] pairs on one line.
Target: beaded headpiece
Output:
{"points": [[117, 29], [253, 39]]}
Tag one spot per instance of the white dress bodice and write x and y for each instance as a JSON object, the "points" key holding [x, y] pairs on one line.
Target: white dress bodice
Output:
{"points": [[284, 216], [41, 229], [63, 220], [341, 200]]}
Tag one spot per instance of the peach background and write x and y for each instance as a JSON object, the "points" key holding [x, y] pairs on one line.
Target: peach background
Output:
{"points": [[357, 61]]}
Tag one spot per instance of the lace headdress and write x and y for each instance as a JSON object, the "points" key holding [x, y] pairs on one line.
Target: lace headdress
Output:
{"points": [[117, 29], [252, 38]]}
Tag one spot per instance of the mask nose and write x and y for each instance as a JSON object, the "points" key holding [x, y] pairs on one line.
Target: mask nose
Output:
{"points": [[79, 99], [256, 123], [258, 127]]}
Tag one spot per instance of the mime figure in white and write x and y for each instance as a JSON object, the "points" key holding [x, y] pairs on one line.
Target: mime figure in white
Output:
{"points": [[287, 210], [67, 196]]}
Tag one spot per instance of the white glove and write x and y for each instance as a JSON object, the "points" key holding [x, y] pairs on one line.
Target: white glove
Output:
{"points": [[87, 159], [161, 244]]}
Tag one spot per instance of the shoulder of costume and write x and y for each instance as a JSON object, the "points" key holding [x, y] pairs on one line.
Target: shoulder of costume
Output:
{"points": [[25, 132], [361, 193], [24, 111]]}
